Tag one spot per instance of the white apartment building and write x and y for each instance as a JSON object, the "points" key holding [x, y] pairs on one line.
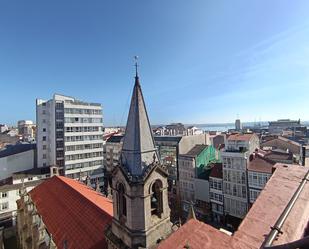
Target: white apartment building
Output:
{"points": [[260, 170], [3, 128], [216, 193], [10, 190], [113, 151], [26, 129], [70, 135], [235, 158], [190, 187], [186, 180]]}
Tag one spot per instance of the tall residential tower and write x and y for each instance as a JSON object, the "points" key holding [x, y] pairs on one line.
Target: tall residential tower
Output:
{"points": [[70, 135]]}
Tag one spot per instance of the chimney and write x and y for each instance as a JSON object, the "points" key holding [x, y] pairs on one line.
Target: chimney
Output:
{"points": [[97, 185], [54, 171]]}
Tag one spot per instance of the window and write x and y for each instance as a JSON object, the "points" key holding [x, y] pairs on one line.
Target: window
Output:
{"points": [[60, 163], [59, 125], [44, 147], [156, 199], [243, 178], [216, 197], [219, 186], [210, 183], [44, 156], [59, 144], [59, 153], [59, 105], [122, 201], [44, 138], [244, 192], [4, 194], [4, 206], [234, 190], [59, 115], [44, 129], [215, 185], [253, 195], [59, 134]]}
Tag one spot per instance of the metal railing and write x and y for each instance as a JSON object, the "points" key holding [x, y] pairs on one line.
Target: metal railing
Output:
{"points": [[276, 229]]}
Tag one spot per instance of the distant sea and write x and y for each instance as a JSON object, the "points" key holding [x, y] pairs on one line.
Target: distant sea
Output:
{"points": [[227, 126], [223, 127]]}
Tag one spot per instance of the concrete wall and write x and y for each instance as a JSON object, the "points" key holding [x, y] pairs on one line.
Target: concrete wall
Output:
{"points": [[17, 162], [201, 190], [45, 121], [188, 142]]}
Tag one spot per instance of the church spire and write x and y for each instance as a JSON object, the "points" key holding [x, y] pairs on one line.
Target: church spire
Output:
{"points": [[138, 151], [191, 213]]}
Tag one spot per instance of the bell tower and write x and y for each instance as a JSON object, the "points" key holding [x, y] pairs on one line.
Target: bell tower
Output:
{"points": [[139, 183]]}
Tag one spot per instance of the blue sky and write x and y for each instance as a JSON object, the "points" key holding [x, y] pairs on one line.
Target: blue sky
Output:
{"points": [[200, 61]]}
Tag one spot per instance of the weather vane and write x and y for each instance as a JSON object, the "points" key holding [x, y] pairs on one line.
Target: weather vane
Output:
{"points": [[136, 65]]}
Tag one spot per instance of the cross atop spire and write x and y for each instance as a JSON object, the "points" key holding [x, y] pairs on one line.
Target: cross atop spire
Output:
{"points": [[136, 65]]}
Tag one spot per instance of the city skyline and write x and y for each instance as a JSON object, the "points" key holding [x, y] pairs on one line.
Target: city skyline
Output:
{"points": [[222, 66]]}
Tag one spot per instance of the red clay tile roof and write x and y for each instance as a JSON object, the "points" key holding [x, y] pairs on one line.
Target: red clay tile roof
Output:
{"points": [[216, 171], [277, 155], [260, 164], [73, 212], [197, 235], [289, 140], [282, 143], [241, 137]]}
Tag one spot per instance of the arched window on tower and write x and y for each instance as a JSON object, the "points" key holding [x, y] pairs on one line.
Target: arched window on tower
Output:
{"points": [[121, 201], [156, 199]]}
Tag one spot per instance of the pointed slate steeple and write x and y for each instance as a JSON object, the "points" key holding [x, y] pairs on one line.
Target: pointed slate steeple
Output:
{"points": [[138, 151]]}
